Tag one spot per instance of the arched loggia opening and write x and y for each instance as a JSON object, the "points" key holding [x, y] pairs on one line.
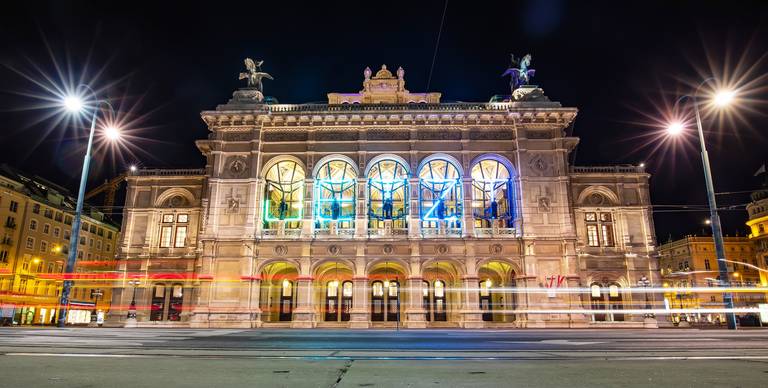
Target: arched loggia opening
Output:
{"points": [[387, 293], [334, 291], [492, 198], [440, 298], [497, 291], [278, 291]]}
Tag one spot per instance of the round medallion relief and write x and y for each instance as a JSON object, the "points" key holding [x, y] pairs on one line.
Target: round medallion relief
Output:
{"points": [[388, 249], [441, 249], [496, 249], [281, 250], [596, 199], [334, 249]]}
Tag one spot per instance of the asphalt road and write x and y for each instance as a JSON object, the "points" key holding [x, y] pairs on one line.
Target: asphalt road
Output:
{"points": [[167, 358]]}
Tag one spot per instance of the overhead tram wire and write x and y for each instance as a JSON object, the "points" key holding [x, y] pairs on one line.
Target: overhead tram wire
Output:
{"points": [[437, 45]]}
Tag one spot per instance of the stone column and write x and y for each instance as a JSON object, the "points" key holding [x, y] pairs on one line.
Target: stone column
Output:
{"points": [[304, 314], [361, 209], [468, 220], [253, 305], [471, 315], [360, 317], [414, 309], [259, 208], [414, 226], [307, 226]]}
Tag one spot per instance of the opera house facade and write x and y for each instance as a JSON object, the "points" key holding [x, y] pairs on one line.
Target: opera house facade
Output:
{"points": [[386, 208]]}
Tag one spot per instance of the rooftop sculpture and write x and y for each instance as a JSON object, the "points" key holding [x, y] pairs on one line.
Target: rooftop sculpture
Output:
{"points": [[519, 72], [254, 74]]}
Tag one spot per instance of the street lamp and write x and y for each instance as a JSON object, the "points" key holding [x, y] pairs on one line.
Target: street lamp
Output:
{"points": [[721, 99], [75, 105], [132, 309]]}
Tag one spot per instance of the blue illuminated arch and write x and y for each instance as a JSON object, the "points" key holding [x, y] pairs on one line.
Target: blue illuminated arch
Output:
{"points": [[440, 193], [492, 191], [284, 191], [334, 191], [387, 190]]}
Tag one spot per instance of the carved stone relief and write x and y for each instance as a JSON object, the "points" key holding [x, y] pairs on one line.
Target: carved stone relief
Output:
{"points": [[236, 167]]}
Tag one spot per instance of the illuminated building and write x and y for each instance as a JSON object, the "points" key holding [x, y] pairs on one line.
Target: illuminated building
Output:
{"points": [[758, 224], [692, 262], [385, 208], [36, 218]]}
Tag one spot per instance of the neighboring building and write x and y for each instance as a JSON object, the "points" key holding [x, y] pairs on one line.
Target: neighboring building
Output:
{"points": [[692, 262], [386, 207], [37, 219], [758, 224]]}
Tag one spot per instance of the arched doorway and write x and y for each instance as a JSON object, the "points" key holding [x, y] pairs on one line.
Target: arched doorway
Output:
{"points": [[607, 300], [278, 291], [386, 292], [441, 278], [334, 290], [497, 291]]}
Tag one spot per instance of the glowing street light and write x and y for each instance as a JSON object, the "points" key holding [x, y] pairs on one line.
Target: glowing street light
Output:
{"points": [[723, 98], [675, 128], [133, 168], [112, 133], [75, 105], [720, 99]]}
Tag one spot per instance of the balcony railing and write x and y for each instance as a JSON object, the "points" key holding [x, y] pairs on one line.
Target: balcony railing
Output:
{"points": [[439, 233], [458, 106], [494, 232], [607, 169], [278, 234], [339, 233], [384, 233], [169, 172]]}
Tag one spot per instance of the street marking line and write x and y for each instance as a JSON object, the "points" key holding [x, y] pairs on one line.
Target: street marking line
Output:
{"points": [[80, 355]]}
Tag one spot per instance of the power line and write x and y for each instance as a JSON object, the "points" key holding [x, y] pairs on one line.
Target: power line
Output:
{"points": [[437, 44]]}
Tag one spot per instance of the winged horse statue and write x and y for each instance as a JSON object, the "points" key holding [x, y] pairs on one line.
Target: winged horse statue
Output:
{"points": [[254, 74], [519, 72]]}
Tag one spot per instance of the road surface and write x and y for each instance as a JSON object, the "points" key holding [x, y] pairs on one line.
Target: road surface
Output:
{"points": [[99, 357]]}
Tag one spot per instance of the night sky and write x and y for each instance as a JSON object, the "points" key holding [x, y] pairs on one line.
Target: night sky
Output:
{"points": [[617, 63]]}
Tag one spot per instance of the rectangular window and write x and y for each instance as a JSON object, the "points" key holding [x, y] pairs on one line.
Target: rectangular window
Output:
{"points": [[100, 232], [183, 218], [181, 236], [82, 240], [166, 234], [84, 227], [607, 235], [48, 213], [50, 267], [32, 224], [90, 242], [46, 228], [36, 208], [109, 247], [58, 216], [14, 206], [30, 243], [68, 220], [93, 229], [79, 255], [590, 217], [167, 218], [56, 232], [592, 239], [3, 256], [98, 244], [66, 235], [43, 246], [706, 264], [10, 222]]}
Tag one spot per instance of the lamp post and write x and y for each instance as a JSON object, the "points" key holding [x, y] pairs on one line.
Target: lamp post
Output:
{"points": [[721, 99], [132, 309], [75, 104], [644, 282]]}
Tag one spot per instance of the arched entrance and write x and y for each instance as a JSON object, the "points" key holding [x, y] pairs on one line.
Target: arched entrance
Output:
{"points": [[386, 280], [441, 279], [278, 291], [607, 299], [334, 291], [497, 291]]}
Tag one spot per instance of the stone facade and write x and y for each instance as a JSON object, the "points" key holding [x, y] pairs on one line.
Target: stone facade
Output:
{"points": [[384, 208]]}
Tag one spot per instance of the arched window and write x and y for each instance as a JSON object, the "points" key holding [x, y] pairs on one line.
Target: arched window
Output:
{"points": [[335, 194], [284, 194], [286, 300], [597, 301], [491, 193], [387, 194], [440, 194]]}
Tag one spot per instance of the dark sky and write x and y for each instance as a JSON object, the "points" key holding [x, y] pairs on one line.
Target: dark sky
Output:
{"points": [[616, 62]]}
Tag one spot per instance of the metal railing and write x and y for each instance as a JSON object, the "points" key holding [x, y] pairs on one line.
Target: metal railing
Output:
{"points": [[607, 169], [169, 172], [452, 106], [491, 232], [437, 232]]}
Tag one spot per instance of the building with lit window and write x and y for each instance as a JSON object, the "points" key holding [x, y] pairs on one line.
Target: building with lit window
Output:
{"points": [[386, 207], [37, 224], [757, 210], [691, 263]]}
